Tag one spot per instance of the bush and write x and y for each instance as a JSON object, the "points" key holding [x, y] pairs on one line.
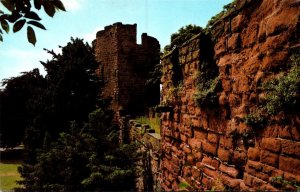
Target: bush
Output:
{"points": [[208, 85], [283, 91]]}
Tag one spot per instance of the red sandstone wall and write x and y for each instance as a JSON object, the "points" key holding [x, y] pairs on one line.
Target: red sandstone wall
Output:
{"points": [[124, 67], [212, 147]]}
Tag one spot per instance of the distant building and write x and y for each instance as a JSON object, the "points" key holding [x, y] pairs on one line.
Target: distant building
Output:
{"points": [[124, 66]]}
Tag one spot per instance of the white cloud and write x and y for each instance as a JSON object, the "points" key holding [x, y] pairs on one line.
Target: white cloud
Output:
{"points": [[16, 61], [89, 37], [73, 5]]}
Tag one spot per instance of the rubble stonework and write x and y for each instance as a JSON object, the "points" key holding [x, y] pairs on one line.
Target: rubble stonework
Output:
{"points": [[212, 147], [124, 68]]}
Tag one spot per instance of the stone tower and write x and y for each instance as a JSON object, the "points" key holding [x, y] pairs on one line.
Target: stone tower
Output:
{"points": [[124, 67]]}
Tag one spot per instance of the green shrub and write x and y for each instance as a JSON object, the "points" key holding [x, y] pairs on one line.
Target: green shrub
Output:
{"points": [[283, 184], [154, 123], [208, 85], [282, 93], [255, 120]]}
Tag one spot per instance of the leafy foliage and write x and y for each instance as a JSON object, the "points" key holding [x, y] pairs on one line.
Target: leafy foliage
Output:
{"points": [[226, 8], [283, 92], [104, 165], [19, 13], [285, 185], [255, 120], [15, 107], [208, 85], [154, 123]]}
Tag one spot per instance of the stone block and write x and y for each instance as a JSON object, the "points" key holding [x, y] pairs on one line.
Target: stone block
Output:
{"points": [[226, 142], [254, 154], [207, 160], [239, 157], [232, 183], [209, 148], [268, 169], [291, 177], [232, 172], [195, 144], [215, 163], [196, 173], [197, 155], [186, 149], [279, 22], [220, 47], [224, 154], [248, 179], [201, 135], [290, 148], [289, 164], [234, 41], [210, 172], [212, 138], [237, 23], [257, 182], [196, 122], [269, 158], [271, 144]]}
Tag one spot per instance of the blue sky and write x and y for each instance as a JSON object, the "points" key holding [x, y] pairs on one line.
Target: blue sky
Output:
{"points": [[158, 18]]}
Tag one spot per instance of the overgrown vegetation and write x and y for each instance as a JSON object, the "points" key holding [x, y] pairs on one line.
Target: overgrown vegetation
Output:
{"points": [[285, 185], [226, 8], [282, 92], [84, 158], [154, 123], [281, 95], [182, 35], [208, 85]]}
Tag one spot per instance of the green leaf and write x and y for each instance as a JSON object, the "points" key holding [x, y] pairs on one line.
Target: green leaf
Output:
{"points": [[32, 15], [31, 35], [37, 24], [59, 5], [49, 8], [18, 25], [1, 31], [8, 5], [38, 4], [5, 25], [1, 38]]}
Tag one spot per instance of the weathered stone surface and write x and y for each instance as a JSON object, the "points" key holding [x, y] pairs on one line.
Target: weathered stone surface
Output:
{"points": [[269, 158], [209, 148], [195, 143], [251, 46], [112, 46], [233, 183], [226, 142], [290, 147], [224, 154], [271, 144], [229, 170], [254, 154], [212, 138], [289, 164]]}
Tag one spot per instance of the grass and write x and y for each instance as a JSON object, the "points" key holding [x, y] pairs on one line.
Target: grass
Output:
{"points": [[9, 175], [154, 123]]}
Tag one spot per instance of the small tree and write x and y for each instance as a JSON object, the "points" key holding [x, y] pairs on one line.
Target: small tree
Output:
{"points": [[83, 159]]}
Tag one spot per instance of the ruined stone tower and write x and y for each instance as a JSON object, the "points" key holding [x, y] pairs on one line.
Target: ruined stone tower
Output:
{"points": [[124, 67]]}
